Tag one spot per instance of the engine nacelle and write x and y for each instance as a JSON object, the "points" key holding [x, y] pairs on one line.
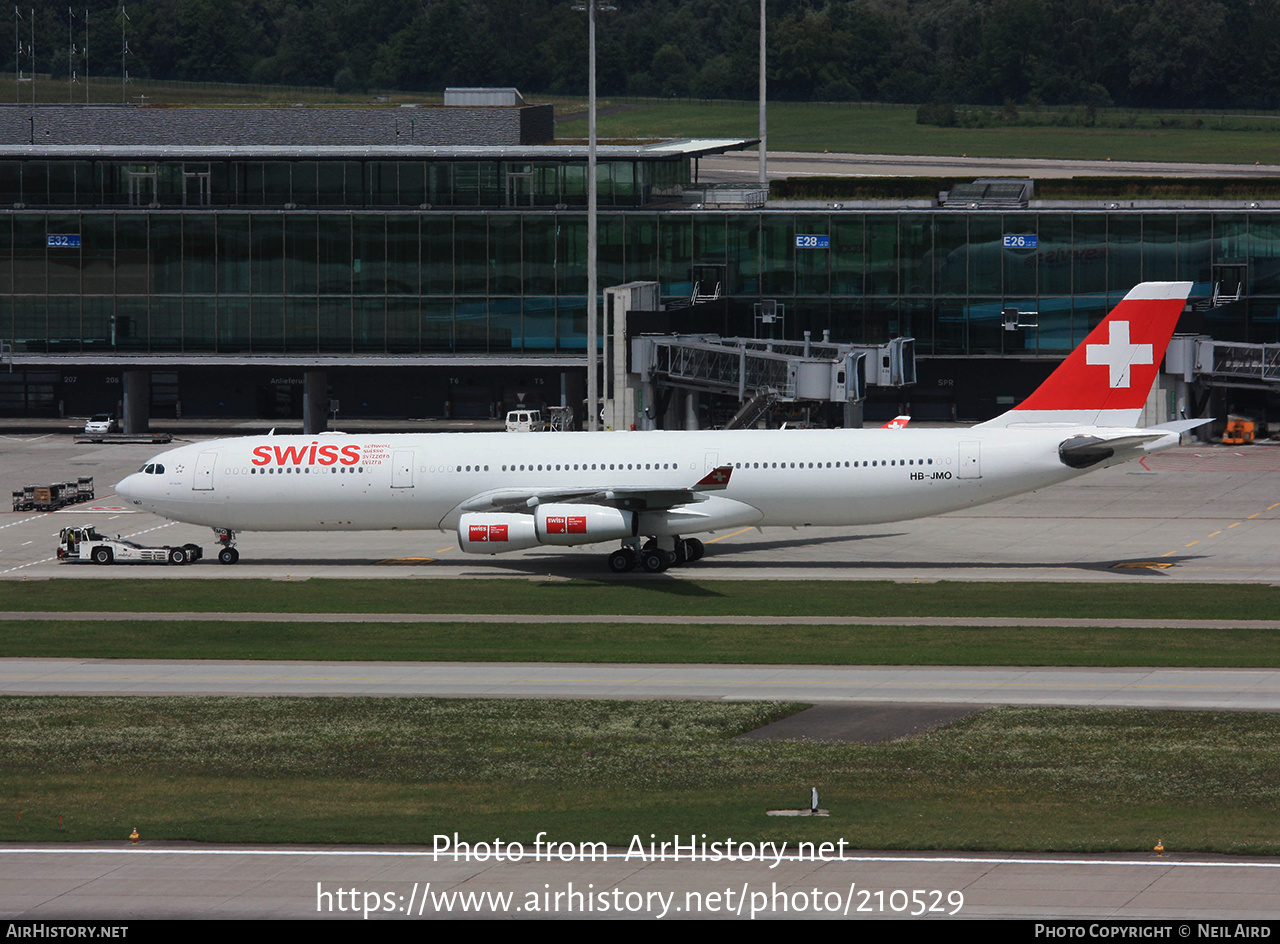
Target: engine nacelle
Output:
{"points": [[480, 533], [567, 525]]}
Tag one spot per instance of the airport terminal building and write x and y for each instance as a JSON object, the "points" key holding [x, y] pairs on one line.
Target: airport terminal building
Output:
{"points": [[214, 264]]}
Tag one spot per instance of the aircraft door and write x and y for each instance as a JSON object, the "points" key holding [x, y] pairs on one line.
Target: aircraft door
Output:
{"points": [[970, 465], [402, 469], [204, 472], [712, 462]]}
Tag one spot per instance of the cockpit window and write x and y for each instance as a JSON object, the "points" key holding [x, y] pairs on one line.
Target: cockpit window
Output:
{"points": [[152, 468]]}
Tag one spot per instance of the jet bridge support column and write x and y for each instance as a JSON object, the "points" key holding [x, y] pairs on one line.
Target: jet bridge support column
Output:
{"points": [[137, 401], [691, 410], [315, 402]]}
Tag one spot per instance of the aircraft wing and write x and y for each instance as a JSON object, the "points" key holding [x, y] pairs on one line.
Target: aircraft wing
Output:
{"points": [[631, 498]]}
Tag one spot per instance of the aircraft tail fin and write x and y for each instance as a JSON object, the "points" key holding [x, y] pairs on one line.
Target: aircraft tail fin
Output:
{"points": [[1105, 381]]}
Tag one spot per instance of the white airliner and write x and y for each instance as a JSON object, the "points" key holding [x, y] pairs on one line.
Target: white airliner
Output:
{"points": [[650, 490]]}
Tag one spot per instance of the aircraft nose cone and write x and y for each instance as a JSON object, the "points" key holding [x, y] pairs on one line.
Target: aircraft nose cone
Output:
{"points": [[126, 488]]}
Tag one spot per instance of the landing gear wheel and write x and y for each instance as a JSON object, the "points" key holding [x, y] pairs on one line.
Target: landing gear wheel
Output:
{"points": [[177, 555], [694, 549], [228, 554], [622, 560], [654, 561], [681, 553]]}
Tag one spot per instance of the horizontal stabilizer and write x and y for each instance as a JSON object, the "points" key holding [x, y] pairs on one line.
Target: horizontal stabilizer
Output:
{"points": [[1082, 452]]}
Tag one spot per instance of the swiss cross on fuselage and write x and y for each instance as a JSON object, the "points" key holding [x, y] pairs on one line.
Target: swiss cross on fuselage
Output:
{"points": [[1117, 355]]}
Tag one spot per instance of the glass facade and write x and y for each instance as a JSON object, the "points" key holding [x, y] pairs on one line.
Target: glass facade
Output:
{"points": [[504, 282], [336, 183]]}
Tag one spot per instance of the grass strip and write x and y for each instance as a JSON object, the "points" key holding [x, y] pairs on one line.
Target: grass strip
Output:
{"points": [[644, 643], [1149, 599], [403, 770], [892, 129]]}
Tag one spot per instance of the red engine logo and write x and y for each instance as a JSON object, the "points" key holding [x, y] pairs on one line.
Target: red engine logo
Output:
{"points": [[478, 533], [567, 524]]}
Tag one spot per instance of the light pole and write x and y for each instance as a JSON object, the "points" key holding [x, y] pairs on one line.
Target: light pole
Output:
{"points": [[593, 245], [764, 172]]}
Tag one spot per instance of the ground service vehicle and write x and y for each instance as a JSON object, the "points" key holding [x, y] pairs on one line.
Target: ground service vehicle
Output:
{"points": [[86, 544], [525, 421], [102, 423], [54, 496]]}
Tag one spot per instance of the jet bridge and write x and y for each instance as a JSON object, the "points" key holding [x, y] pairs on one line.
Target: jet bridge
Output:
{"points": [[761, 373], [1225, 363]]}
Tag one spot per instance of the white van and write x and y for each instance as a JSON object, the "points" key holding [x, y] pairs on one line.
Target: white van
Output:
{"points": [[525, 421]]}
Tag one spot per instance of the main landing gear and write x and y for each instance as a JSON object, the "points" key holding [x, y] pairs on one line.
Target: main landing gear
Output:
{"points": [[227, 538], [653, 558]]}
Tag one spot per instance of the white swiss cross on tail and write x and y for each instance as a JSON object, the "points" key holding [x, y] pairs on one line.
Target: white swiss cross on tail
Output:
{"points": [[1130, 343], [1117, 354]]}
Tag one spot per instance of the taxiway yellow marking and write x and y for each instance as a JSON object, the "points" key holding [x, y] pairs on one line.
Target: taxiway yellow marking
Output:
{"points": [[724, 536], [407, 560]]}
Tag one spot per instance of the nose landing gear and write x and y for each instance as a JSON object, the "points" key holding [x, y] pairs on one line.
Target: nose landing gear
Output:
{"points": [[227, 538]]}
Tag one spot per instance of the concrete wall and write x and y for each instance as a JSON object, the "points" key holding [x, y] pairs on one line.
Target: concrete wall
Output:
{"points": [[123, 126]]}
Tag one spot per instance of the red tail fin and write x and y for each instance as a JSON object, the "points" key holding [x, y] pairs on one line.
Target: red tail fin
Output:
{"points": [[1105, 381]]}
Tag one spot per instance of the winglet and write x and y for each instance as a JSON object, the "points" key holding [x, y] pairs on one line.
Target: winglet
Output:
{"points": [[898, 422], [715, 480]]}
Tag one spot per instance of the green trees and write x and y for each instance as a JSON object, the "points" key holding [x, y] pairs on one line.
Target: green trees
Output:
{"points": [[1201, 53]]}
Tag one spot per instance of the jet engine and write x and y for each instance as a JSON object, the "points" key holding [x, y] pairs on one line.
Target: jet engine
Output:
{"points": [[566, 525], [559, 525], [480, 533]]}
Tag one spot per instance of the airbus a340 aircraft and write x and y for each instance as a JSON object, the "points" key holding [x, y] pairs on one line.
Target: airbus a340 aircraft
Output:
{"points": [[650, 490]]}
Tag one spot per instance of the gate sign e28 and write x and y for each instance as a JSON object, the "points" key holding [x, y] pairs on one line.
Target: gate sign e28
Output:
{"points": [[1021, 241], [813, 242]]}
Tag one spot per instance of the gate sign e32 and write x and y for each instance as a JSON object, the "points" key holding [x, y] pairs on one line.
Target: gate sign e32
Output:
{"points": [[62, 240], [1021, 241], [813, 242]]}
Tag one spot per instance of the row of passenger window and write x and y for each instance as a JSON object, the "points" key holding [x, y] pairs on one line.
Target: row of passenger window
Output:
{"points": [[872, 463], [657, 467], [300, 469], [594, 467]]}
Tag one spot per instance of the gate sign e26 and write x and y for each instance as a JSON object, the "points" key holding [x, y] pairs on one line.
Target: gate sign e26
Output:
{"points": [[813, 242], [62, 240], [1021, 241]]}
